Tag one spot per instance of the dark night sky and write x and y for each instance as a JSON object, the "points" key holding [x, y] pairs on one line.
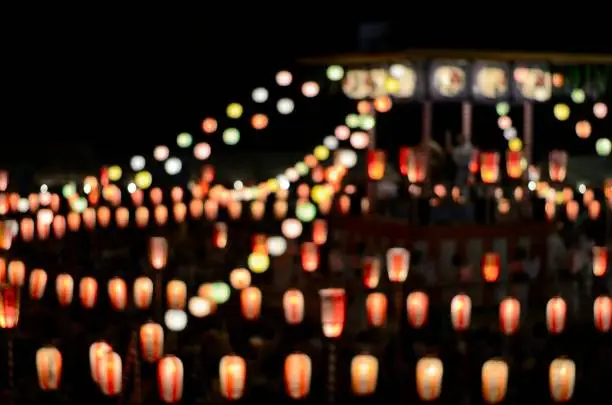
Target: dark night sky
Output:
{"points": [[143, 80]]}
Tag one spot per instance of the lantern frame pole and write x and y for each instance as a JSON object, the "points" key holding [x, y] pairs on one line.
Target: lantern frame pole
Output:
{"points": [[331, 372]]}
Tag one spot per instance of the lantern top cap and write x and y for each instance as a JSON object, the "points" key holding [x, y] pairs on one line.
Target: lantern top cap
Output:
{"points": [[332, 292]]}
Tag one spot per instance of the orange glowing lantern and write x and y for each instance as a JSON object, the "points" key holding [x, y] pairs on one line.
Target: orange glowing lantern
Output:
{"points": [[310, 256], [240, 278], [156, 195], [234, 209], [572, 209], [376, 164], [461, 312], [220, 235], [88, 292], [59, 226], [143, 292], [319, 231], [602, 313], [170, 379], [211, 209], [196, 208], [104, 216], [26, 229], [74, 221], [600, 260], [64, 287], [364, 374], [489, 167], [562, 379], [151, 342], [49, 368], [250, 303], [494, 378], [514, 167], [179, 211], [89, 218], [376, 306], [232, 377], [16, 273], [160, 213], [110, 375], [556, 314], [509, 315], [398, 263], [38, 283], [96, 351], [333, 311], [176, 294], [137, 198], [491, 267], [344, 203], [280, 209], [293, 306], [416, 169], [417, 308], [117, 293], [298, 373], [371, 271], [557, 165], [142, 217], [158, 252], [122, 217], [10, 299], [429, 373]]}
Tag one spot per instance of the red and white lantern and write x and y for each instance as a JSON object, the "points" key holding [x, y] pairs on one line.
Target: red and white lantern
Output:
{"points": [[371, 272], [117, 293], [151, 342], [461, 312], [398, 263], [417, 308], [96, 351], [293, 306], [310, 256], [376, 306], [250, 303], [143, 292], [111, 373], [158, 252], [49, 368], [64, 286], [429, 372], [333, 311], [232, 376], [602, 313], [38, 283], [170, 379], [176, 294], [600, 260], [298, 373], [88, 292], [562, 379], [556, 315], [509, 315]]}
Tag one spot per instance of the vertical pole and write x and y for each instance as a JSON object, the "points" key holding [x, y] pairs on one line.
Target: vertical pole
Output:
{"points": [[466, 120], [372, 146], [427, 113], [528, 131], [11, 367], [331, 374]]}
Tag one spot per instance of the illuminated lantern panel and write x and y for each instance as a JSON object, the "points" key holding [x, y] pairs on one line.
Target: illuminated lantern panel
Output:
{"points": [[364, 374], [151, 342], [557, 165], [600, 260], [293, 306], [170, 379], [49, 368], [333, 311], [111, 372], [298, 373], [461, 312], [556, 314], [376, 164], [376, 306], [494, 381], [491, 267], [417, 308], [429, 372], [562, 379], [509, 315], [250, 303], [96, 351], [232, 377], [489, 167], [398, 262], [602, 313]]}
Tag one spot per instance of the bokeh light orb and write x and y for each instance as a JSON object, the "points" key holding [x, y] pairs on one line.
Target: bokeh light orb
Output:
{"points": [[114, 173], [143, 180], [260, 95], [346, 158], [173, 166], [331, 142], [209, 125], [234, 110], [600, 110], [284, 78], [231, 136], [578, 96], [367, 122], [277, 245], [360, 140], [561, 111], [510, 133], [175, 320], [502, 108], [603, 147], [305, 211], [202, 151], [259, 121], [504, 122], [161, 153], [184, 140], [321, 153], [285, 106], [583, 129], [310, 89], [515, 144], [342, 132], [335, 73], [137, 163], [352, 120]]}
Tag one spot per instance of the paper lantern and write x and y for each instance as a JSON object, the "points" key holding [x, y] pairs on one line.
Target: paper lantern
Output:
{"points": [[211, 209], [158, 252], [137, 198], [122, 217], [319, 231], [398, 262], [293, 306], [26, 229], [429, 372], [88, 292], [160, 214], [151, 342], [376, 306], [298, 373], [514, 166], [16, 273], [170, 379], [600, 260], [333, 311], [110, 375], [49, 368], [219, 237], [38, 283], [371, 272], [491, 267], [103, 216], [494, 378], [557, 165], [196, 208], [562, 379], [309, 256], [143, 292], [250, 303], [10, 299], [64, 287], [117, 293], [489, 167], [89, 218], [602, 313], [201, 307], [96, 351], [376, 164], [509, 315], [179, 211], [461, 312], [232, 377], [258, 209], [344, 204], [59, 226], [572, 209], [240, 278], [176, 294], [416, 169], [280, 209], [142, 216], [417, 308], [364, 374], [556, 315]]}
